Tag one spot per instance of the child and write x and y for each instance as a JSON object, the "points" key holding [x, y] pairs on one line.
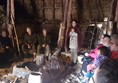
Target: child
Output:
{"points": [[73, 45], [103, 53]]}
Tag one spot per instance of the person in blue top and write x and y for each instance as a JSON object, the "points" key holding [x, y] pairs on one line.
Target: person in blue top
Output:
{"points": [[103, 53]]}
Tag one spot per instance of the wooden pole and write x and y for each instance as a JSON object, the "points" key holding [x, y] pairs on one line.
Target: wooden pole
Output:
{"points": [[116, 13], [63, 25], [65, 22], [113, 14], [13, 23], [17, 41], [78, 8], [53, 10], [62, 6], [60, 36], [100, 10], [100, 7], [43, 9], [68, 23], [69, 15], [116, 17], [7, 18], [12, 8], [65, 13], [90, 11], [113, 9]]}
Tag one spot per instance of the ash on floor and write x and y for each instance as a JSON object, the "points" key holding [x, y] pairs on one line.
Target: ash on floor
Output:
{"points": [[54, 71]]}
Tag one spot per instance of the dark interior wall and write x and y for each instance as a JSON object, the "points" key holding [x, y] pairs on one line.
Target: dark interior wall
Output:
{"points": [[94, 10], [50, 10], [23, 9], [53, 10]]}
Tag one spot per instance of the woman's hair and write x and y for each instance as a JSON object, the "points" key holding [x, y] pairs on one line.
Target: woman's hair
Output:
{"points": [[106, 35], [115, 37], [104, 51], [107, 72]]}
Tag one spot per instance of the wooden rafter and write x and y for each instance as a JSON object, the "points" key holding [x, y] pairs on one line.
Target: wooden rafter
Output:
{"points": [[43, 9], [10, 20], [65, 12], [62, 6], [79, 7], [100, 11], [8, 6], [90, 11], [116, 13], [68, 19], [53, 10], [113, 9]]}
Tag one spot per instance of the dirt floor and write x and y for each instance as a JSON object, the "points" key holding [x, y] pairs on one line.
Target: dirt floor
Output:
{"points": [[6, 68]]}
